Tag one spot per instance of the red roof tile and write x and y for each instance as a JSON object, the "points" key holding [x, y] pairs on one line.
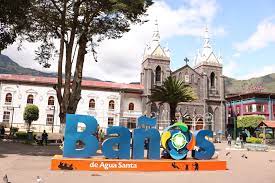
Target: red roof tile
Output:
{"points": [[85, 83], [270, 124]]}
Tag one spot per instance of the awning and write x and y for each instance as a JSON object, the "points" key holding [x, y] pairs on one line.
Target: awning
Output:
{"points": [[268, 124]]}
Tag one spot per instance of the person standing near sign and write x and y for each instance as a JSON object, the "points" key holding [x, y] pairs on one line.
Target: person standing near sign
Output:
{"points": [[101, 135], [45, 137], [229, 138]]}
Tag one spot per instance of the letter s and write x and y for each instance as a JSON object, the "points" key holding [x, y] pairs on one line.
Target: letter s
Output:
{"points": [[206, 148]]}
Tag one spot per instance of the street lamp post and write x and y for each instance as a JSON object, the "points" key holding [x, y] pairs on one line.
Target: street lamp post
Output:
{"points": [[53, 108], [12, 108], [235, 127]]}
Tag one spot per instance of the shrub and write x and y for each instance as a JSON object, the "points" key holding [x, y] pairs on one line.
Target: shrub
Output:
{"points": [[31, 114], [22, 135], [14, 130], [267, 136], [254, 140]]}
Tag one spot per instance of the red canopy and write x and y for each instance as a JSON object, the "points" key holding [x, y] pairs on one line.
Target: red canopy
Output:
{"points": [[269, 124]]}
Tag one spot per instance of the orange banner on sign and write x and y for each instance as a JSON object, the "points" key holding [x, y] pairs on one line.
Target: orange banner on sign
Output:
{"points": [[101, 164]]}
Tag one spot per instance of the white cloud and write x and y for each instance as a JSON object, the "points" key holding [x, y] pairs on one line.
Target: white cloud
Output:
{"points": [[120, 60], [229, 68], [236, 55], [264, 35], [265, 70]]}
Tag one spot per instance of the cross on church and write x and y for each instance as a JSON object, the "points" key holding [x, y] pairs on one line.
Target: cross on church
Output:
{"points": [[186, 60]]}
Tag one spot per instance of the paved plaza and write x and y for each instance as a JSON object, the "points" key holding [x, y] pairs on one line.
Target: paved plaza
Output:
{"points": [[23, 163]]}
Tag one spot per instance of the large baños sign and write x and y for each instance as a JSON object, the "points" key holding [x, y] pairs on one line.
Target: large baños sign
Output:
{"points": [[176, 140]]}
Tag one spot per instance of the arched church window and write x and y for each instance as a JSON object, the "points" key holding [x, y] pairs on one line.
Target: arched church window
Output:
{"points": [[180, 75], [8, 99], [192, 78], [186, 78], [131, 106], [212, 80], [158, 74]]}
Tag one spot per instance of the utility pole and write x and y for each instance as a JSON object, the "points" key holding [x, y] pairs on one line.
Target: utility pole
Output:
{"points": [[53, 107], [235, 127], [12, 109]]}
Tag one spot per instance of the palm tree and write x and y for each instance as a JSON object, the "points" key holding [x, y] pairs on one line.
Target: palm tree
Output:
{"points": [[173, 91]]}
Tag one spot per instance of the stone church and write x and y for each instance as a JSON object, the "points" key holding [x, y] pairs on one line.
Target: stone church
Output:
{"points": [[206, 79]]}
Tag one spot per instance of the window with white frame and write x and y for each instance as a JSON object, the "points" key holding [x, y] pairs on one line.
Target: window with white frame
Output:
{"points": [[260, 108], [6, 117], [131, 106], [92, 104], [30, 99], [131, 123], [51, 100], [111, 105], [49, 120], [110, 121], [8, 98]]}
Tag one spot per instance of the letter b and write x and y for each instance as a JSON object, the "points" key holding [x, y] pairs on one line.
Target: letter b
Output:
{"points": [[72, 136]]}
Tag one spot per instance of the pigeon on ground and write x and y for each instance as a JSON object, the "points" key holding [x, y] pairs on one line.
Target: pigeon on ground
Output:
{"points": [[244, 156], [5, 179], [227, 153], [38, 179]]}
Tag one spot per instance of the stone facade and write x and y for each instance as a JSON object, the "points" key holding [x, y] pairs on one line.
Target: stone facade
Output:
{"points": [[206, 79]]}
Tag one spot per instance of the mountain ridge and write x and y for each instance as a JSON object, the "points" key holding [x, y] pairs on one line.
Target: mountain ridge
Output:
{"points": [[8, 66]]}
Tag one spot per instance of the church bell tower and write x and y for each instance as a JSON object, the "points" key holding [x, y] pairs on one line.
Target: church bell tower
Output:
{"points": [[210, 67], [154, 70]]}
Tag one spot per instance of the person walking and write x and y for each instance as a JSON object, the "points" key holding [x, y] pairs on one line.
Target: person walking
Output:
{"points": [[101, 135], [45, 137], [229, 139], [241, 138], [2, 131]]}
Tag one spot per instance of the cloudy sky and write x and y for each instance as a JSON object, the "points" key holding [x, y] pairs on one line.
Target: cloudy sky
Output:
{"points": [[242, 31]]}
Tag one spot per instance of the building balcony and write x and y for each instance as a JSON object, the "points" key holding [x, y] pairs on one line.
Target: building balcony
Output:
{"points": [[256, 113], [131, 113]]}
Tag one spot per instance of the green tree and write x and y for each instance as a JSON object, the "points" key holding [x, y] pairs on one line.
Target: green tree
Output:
{"points": [[249, 122], [79, 26], [172, 92], [12, 20], [31, 113]]}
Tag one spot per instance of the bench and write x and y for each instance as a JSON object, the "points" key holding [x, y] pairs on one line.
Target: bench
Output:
{"points": [[52, 138]]}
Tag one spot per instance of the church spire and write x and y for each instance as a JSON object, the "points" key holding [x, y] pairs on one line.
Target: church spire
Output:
{"points": [[206, 55], [154, 48], [206, 39], [156, 36]]}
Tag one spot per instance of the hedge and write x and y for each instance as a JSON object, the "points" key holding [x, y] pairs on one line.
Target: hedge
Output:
{"points": [[22, 135], [254, 140], [267, 136]]}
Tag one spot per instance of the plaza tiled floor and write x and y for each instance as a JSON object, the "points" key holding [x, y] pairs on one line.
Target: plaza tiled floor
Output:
{"points": [[23, 163]]}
